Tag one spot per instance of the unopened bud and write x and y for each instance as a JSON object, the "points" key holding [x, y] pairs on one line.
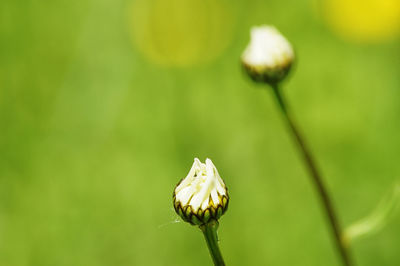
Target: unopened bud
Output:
{"points": [[202, 196], [269, 56]]}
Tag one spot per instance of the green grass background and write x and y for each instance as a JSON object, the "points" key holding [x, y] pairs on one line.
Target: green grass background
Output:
{"points": [[94, 137]]}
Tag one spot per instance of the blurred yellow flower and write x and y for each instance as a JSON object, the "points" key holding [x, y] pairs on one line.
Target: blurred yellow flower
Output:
{"points": [[181, 32], [364, 20]]}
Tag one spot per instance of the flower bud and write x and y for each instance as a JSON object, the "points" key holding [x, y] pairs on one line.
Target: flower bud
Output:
{"points": [[202, 196], [269, 56]]}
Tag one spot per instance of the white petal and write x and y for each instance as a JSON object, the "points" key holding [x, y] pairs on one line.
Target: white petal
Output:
{"points": [[184, 195], [214, 197], [189, 178], [202, 182], [267, 48]]}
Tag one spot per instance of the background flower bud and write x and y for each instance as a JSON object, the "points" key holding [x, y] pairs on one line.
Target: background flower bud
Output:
{"points": [[202, 195], [269, 56]]}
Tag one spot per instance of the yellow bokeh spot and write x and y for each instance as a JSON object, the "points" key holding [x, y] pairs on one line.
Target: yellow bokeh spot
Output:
{"points": [[181, 32], [364, 20]]}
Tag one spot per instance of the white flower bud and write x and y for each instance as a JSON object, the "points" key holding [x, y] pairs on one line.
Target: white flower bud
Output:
{"points": [[269, 56], [202, 195]]}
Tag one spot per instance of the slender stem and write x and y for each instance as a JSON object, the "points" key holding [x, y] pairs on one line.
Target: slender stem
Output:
{"points": [[210, 234], [316, 179]]}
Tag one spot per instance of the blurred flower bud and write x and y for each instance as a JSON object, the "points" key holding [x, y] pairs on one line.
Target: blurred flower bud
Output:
{"points": [[269, 56], [202, 196]]}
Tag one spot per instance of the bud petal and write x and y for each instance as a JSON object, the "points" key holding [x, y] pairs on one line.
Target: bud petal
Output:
{"points": [[269, 56], [202, 195]]}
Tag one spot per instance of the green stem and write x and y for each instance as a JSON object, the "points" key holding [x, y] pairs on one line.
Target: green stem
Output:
{"points": [[316, 179], [210, 234]]}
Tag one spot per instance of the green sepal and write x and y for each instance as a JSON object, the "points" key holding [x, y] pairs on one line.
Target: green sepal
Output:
{"points": [[206, 216], [224, 201], [195, 220], [188, 211], [218, 212]]}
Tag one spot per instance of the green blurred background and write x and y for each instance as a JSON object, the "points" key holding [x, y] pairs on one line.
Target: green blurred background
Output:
{"points": [[104, 104]]}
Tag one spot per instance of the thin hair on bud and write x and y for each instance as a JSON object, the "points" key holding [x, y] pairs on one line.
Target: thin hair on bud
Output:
{"points": [[176, 220]]}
